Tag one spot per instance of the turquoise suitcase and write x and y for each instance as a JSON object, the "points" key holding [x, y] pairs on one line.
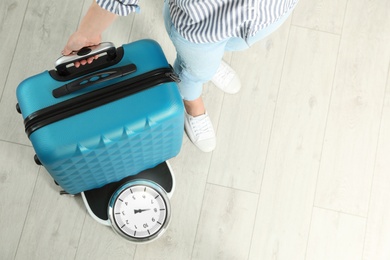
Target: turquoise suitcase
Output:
{"points": [[106, 121]]}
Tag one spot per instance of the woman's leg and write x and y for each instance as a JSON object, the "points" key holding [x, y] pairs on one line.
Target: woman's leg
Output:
{"points": [[195, 64]]}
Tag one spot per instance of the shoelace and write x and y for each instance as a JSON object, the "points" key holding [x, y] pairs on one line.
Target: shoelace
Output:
{"points": [[202, 127], [223, 76]]}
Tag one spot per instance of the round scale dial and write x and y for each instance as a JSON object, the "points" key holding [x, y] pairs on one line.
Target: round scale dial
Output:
{"points": [[139, 211]]}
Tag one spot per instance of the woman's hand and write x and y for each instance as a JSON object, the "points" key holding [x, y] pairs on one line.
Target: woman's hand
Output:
{"points": [[95, 21], [76, 42]]}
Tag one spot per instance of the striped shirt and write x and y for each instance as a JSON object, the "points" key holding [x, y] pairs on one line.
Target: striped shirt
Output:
{"points": [[206, 21]]}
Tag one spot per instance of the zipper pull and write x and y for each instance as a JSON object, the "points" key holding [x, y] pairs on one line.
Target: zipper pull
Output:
{"points": [[173, 76]]}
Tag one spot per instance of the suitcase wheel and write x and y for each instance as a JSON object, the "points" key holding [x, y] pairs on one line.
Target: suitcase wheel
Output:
{"points": [[37, 161], [18, 108]]}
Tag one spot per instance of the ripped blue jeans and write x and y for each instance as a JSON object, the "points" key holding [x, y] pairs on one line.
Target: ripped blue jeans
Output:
{"points": [[197, 63]]}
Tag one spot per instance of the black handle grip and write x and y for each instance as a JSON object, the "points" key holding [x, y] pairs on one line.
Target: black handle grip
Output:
{"points": [[93, 79], [85, 53]]}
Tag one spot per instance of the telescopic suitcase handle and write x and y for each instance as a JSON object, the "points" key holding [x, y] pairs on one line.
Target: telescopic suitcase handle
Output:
{"points": [[93, 79], [85, 53]]}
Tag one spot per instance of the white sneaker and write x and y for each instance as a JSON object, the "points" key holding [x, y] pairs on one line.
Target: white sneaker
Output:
{"points": [[226, 79], [200, 131]]}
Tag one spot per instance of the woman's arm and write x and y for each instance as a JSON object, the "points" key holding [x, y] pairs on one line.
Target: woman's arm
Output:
{"points": [[95, 21]]}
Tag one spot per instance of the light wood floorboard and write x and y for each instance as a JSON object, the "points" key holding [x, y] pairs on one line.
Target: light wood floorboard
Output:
{"points": [[288, 188], [378, 225], [64, 215], [352, 131], [322, 15], [335, 235], [260, 69], [230, 215], [11, 22], [18, 176]]}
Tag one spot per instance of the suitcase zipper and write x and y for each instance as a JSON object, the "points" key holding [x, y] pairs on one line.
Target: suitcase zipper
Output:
{"points": [[96, 98]]}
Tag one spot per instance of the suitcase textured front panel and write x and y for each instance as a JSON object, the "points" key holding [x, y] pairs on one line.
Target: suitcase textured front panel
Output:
{"points": [[115, 140]]}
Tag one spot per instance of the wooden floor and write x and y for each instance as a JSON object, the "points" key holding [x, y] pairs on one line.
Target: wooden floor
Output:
{"points": [[301, 169]]}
